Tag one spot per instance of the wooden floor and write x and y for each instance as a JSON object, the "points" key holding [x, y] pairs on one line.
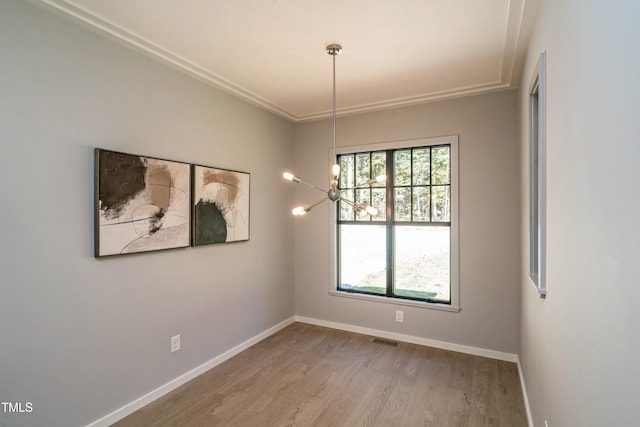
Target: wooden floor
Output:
{"points": [[312, 376]]}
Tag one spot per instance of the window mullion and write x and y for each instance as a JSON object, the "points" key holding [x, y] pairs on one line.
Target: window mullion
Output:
{"points": [[338, 210], [411, 185], [390, 219], [430, 184], [353, 185], [370, 202]]}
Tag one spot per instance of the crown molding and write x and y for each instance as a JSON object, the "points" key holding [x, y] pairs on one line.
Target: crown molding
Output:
{"points": [[513, 56], [137, 43], [408, 101]]}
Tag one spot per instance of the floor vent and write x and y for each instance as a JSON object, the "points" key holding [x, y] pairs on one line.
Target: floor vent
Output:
{"points": [[383, 341]]}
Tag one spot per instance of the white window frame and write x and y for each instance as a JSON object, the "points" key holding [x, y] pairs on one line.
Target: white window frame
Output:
{"points": [[538, 178], [452, 141]]}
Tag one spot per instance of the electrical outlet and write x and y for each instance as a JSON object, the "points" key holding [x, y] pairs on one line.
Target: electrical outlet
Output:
{"points": [[175, 343], [399, 316]]}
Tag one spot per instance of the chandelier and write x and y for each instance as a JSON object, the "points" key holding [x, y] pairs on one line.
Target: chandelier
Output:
{"points": [[333, 193]]}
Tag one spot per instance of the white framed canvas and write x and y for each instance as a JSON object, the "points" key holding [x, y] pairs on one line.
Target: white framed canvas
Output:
{"points": [[220, 205], [141, 203]]}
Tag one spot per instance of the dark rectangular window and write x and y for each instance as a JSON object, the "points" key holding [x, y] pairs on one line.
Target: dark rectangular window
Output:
{"points": [[405, 250]]}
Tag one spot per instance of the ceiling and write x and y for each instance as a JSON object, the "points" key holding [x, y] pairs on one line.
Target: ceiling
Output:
{"points": [[272, 52]]}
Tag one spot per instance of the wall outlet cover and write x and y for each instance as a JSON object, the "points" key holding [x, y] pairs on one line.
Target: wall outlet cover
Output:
{"points": [[175, 343]]}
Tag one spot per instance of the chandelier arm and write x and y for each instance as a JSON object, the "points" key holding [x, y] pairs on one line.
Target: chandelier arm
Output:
{"points": [[309, 207], [312, 186], [354, 204], [347, 201], [361, 207]]}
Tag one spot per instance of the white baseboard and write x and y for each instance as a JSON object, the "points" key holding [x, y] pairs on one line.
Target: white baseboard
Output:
{"points": [[527, 408], [508, 357], [129, 408]]}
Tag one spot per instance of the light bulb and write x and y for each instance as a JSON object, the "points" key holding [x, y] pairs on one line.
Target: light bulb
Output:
{"points": [[335, 170], [301, 210], [371, 210], [377, 179], [291, 177]]}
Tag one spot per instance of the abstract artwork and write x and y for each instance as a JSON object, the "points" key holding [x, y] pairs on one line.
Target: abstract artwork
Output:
{"points": [[141, 203], [220, 205]]}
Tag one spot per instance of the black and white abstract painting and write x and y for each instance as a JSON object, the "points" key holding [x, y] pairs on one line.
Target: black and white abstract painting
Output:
{"points": [[142, 203], [220, 205]]}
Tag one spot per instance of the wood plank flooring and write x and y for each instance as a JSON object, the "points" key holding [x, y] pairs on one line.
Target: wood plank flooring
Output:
{"points": [[307, 375]]}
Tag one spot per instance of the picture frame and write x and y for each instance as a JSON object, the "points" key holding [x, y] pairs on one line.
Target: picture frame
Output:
{"points": [[141, 203], [220, 205]]}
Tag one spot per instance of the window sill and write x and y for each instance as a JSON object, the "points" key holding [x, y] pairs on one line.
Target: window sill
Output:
{"points": [[394, 301]]}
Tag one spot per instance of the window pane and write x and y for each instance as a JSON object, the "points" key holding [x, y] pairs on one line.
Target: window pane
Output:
{"points": [[421, 167], [441, 198], [346, 210], [402, 205], [346, 171], [379, 201], [422, 262], [402, 167], [378, 167], [421, 207], [362, 258], [363, 169], [441, 166]]}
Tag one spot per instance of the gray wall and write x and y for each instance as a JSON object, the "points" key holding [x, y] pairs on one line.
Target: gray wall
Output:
{"points": [[489, 220], [580, 350], [79, 336]]}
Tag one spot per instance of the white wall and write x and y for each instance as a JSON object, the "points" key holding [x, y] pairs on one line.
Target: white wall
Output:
{"points": [[79, 336], [489, 221], [580, 350]]}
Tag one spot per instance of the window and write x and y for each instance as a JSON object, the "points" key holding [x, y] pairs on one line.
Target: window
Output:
{"points": [[537, 178], [407, 253]]}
